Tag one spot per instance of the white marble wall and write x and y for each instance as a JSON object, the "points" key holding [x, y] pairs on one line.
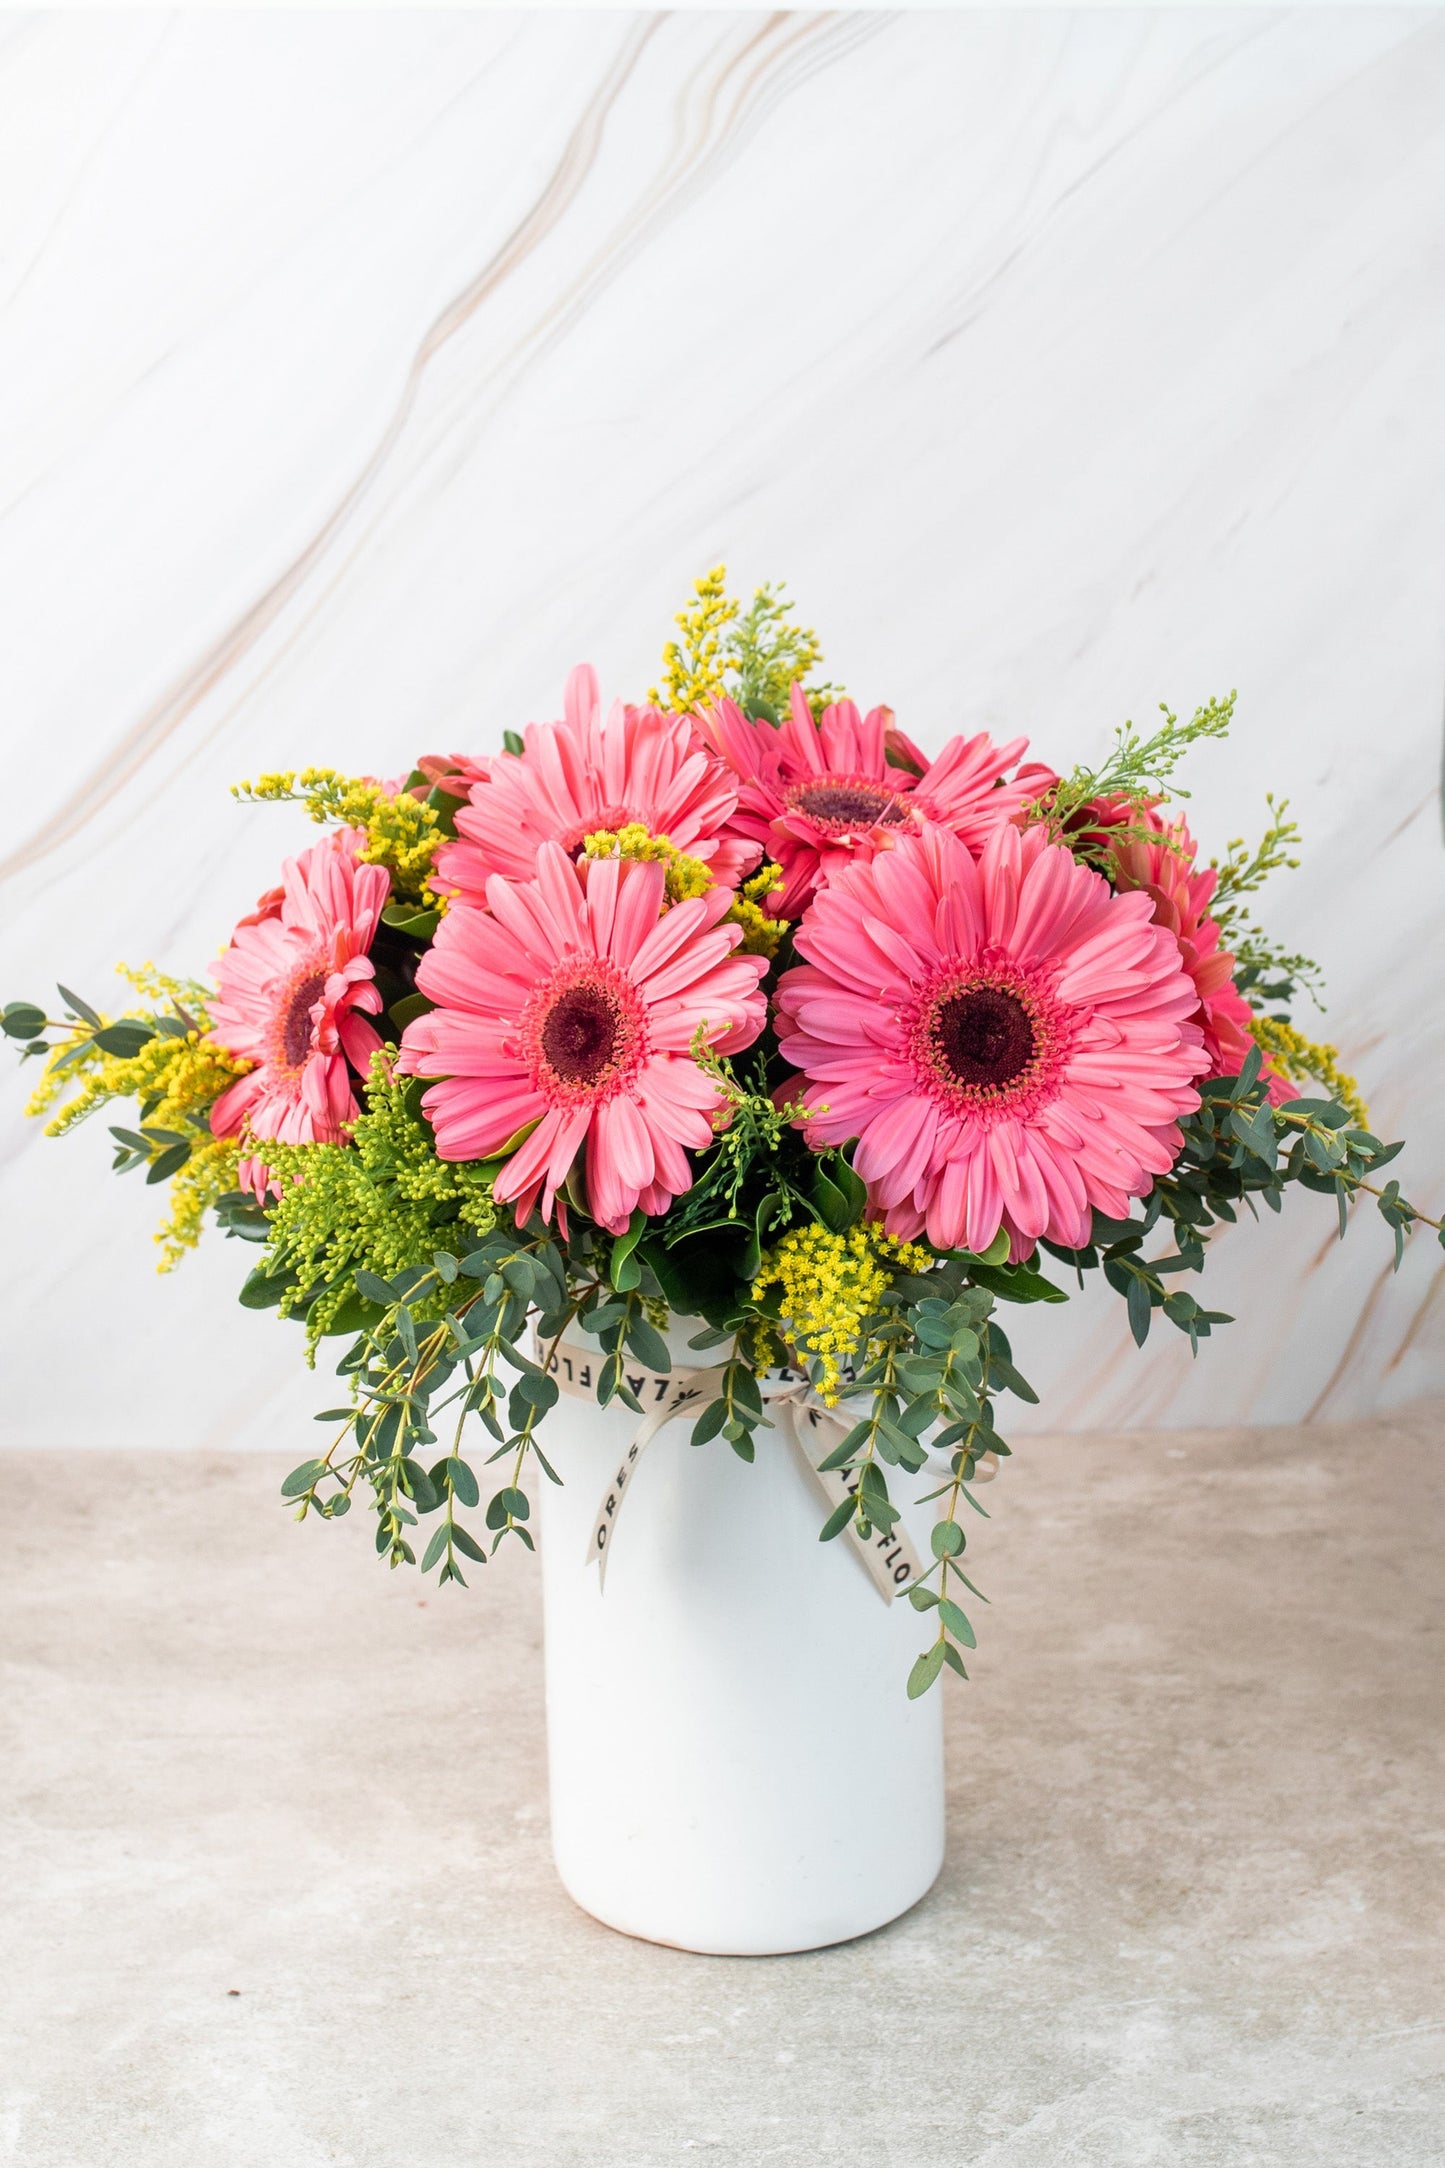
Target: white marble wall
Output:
{"points": [[360, 373]]}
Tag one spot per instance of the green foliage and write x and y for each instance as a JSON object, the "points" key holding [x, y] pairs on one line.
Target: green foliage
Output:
{"points": [[1243, 870], [382, 1204], [1137, 769], [432, 1346], [1239, 1149], [938, 1362], [752, 655], [1267, 974], [767, 650], [163, 1059]]}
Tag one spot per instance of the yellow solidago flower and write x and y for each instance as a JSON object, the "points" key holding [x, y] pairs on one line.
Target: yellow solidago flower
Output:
{"points": [[828, 1284], [210, 1174], [694, 667], [685, 876], [402, 833], [176, 1077], [1303, 1062], [762, 936]]}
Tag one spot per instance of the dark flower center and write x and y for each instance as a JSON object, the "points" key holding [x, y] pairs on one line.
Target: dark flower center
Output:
{"points": [[581, 1035], [297, 1030], [984, 1035], [848, 803]]}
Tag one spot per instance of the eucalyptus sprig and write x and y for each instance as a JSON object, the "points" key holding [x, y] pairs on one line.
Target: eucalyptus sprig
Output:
{"points": [[1239, 1149]]}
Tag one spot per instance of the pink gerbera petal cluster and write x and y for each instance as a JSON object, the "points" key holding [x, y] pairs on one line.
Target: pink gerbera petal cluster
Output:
{"points": [[587, 773], [292, 987], [1180, 893], [568, 1008], [1009, 1040], [818, 796]]}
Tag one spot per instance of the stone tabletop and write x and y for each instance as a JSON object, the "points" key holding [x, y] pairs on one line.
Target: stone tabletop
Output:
{"points": [[279, 1894]]}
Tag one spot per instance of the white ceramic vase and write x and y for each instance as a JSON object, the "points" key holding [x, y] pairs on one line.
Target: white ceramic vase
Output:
{"points": [[735, 1765]]}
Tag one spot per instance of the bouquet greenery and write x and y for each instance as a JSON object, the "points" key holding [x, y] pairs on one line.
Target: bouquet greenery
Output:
{"points": [[733, 1006]]}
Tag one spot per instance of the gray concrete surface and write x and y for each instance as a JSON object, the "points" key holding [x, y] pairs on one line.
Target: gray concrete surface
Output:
{"points": [[1191, 1913]]}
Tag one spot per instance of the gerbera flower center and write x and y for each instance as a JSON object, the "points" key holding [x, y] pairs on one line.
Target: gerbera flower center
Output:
{"points": [[581, 1033], [990, 1039], [296, 1027], [984, 1034], [584, 1032], [841, 803]]}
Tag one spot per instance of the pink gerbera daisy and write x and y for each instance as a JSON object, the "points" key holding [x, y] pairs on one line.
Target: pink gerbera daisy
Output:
{"points": [[1181, 893], [291, 985], [585, 774], [818, 796], [568, 1008], [1009, 1041]]}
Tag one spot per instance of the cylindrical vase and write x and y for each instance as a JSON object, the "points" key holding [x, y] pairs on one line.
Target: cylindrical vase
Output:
{"points": [[735, 1765]]}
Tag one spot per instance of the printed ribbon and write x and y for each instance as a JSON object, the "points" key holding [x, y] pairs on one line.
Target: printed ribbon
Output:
{"points": [[891, 1561]]}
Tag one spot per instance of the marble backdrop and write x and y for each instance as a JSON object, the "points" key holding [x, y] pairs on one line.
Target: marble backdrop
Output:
{"points": [[361, 373]]}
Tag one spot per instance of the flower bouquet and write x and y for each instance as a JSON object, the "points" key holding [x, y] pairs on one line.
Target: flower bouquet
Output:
{"points": [[725, 1057]]}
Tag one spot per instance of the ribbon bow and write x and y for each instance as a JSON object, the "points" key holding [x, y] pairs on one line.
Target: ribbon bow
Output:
{"points": [[805, 1421]]}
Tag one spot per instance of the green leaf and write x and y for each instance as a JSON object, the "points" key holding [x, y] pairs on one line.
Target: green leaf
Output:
{"points": [[829, 1202], [957, 1623], [837, 1521], [124, 1039], [80, 1008], [262, 1290], [915, 1418], [505, 1505], [409, 1008], [406, 918], [624, 1271], [1139, 1310], [169, 1162], [648, 1345], [710, 1422], [995, 1254], [925, 1671], [374, 1288], [435, 1548], [420, 1485], [467, 1544], [300, 1479], [464, 1483], [946, 1539], [538, 1390], [844, 1451], [22, 1020]]}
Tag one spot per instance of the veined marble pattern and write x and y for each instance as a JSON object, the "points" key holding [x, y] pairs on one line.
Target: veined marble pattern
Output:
{"points": [[362, 372]]}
